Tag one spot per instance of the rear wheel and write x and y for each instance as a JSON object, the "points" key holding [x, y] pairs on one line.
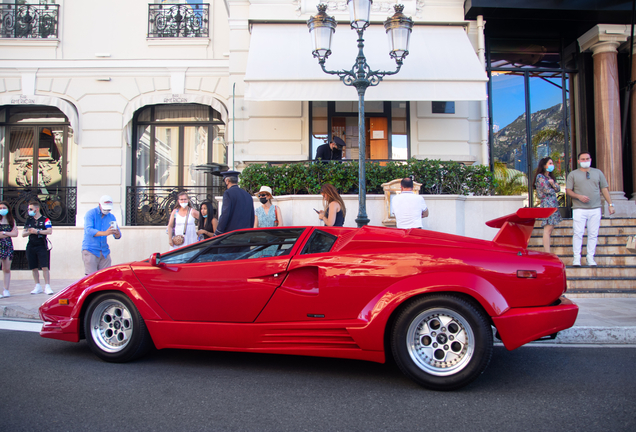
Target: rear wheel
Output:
{"points": [[442, 342], [115, 330]]}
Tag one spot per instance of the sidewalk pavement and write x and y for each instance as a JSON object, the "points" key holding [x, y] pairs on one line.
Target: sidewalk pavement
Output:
{"points": [[600, 320]]}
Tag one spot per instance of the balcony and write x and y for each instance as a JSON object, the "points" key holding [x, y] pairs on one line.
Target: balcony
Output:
{"points": [[178, 20], [59, 204], [27, 21], [153, 205]]}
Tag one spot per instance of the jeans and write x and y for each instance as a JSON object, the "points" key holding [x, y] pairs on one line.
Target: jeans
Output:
{"points": [[581, 217]]}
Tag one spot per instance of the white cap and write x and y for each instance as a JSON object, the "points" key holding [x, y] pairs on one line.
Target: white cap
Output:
{"points": [[106, 202]]}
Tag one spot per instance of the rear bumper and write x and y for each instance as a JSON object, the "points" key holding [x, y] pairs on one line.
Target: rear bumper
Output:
{"points": [[518, 326], [62, 328]]}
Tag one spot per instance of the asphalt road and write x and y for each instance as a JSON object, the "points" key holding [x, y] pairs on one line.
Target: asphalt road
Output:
{"points": [[60, 386]]}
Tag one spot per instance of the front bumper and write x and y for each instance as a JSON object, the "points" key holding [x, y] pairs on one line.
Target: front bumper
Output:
{"points": [[62, 328], [518, 326]]}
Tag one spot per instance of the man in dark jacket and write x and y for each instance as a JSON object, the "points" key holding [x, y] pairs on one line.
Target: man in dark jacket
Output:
{"points": [[238, 206], [331, 151]]}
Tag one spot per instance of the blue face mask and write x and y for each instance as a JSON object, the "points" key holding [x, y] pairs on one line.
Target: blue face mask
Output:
{"points": [[550, 168], [31, 213], [4, 212], [204, 216]]}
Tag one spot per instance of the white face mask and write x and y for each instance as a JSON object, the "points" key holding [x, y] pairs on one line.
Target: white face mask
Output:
{"points": [[105, 212], [585, 164], [183, 205]]}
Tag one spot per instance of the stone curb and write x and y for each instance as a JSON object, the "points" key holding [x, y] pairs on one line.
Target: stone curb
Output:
{"points": [[597, 335], [18, 312]]}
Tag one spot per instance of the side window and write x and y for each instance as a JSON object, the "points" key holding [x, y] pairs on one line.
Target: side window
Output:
{"points": [[243, 245], [319, 242]]}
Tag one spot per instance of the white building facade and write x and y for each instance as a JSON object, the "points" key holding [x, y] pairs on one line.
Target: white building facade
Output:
{"points": [[140, 99]]}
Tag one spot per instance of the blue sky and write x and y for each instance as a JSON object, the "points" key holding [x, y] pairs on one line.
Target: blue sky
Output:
{"points": [[509, 97]]}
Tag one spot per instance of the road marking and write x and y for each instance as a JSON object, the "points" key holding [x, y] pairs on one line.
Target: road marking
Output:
{"points": [[21, 326]]}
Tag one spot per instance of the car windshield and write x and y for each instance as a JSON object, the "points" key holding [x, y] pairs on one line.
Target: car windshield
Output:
{"points": [[235, 246]]}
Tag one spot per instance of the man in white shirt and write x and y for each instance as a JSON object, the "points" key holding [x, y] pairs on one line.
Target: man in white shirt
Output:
{"points": [[408, 208]]}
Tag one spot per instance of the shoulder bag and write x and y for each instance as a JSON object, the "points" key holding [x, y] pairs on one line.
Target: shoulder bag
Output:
{"points": [[178, 240]]}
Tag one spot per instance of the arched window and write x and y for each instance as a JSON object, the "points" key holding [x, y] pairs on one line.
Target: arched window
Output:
{"points": [[174, 147], [38, 161]]}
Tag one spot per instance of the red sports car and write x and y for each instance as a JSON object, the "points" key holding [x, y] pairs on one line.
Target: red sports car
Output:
{"points": [[428, 299]]}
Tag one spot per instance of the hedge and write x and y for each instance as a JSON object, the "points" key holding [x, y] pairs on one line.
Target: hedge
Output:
{"points": [[437, 177]]}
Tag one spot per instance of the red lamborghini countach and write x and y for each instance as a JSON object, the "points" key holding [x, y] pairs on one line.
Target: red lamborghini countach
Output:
{"points": [[428, 299]]}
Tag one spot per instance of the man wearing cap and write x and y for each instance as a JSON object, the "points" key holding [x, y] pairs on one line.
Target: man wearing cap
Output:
{"points": [[238, 206], [331, 151], [99, 223]]}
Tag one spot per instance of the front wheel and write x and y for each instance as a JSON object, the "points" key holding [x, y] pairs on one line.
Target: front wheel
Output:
{"points": [[115, 330], [442, 342]]}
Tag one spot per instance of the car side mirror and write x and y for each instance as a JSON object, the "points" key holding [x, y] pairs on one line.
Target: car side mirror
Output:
{"points": [[155, 260]]}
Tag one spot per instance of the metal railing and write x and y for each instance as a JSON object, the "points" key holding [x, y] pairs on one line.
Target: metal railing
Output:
{"points": [[178, 20], [59, 204], [29, 21], [152, 205]]}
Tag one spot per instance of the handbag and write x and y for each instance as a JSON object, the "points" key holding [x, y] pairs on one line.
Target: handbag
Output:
{"points": [[631, 244], [178, 239]]}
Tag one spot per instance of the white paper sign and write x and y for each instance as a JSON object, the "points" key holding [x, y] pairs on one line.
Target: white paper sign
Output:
{"points": [[378, 134]]}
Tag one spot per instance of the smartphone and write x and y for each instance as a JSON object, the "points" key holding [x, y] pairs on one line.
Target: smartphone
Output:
{"points": [[316, 211], [113, 225]]}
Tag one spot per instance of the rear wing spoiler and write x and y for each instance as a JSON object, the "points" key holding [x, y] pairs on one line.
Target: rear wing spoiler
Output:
{"points": [[515, 229]]}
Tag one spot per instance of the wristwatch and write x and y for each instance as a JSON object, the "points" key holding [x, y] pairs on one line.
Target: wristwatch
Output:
{"points": [[611, 205]]}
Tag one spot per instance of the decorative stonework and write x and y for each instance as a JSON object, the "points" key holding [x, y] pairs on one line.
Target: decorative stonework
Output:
{"points": [[378, 7]]}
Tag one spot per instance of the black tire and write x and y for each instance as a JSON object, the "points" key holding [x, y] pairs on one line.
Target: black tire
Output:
{"points": [[441, 341], [115, 330]]}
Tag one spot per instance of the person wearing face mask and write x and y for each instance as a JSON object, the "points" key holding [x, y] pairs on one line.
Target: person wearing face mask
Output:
{"points": [[207, 221], [182, 229], [267, 215], [546, 187], [8, 229], [37, 227], [99, 223], [585, 186]]}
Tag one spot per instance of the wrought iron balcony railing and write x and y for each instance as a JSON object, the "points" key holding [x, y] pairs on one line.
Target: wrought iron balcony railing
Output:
{"points": [[29, 21], [152, 205], [178, 20], [58, 204]]}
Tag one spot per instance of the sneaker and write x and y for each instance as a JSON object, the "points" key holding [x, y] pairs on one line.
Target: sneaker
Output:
{"points": [[6, 293], [590, 260], [576, 261], [47, 289], [37, 289]]}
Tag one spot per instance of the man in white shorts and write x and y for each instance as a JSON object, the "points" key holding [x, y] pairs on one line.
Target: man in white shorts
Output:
{"points": [[408, 208], [584, 186]]}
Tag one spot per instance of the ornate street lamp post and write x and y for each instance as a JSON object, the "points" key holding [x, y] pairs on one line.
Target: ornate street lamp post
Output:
{"points": [[398, 28]]}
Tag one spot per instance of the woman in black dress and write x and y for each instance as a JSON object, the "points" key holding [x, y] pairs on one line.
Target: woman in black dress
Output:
{"points": [[335, 212]]}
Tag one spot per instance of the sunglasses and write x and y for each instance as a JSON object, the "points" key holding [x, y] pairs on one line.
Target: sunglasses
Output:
{"points": [[263, 195], [587, 175]]}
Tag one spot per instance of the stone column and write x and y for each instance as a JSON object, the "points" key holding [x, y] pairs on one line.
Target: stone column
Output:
{"points": [[604, 40]]}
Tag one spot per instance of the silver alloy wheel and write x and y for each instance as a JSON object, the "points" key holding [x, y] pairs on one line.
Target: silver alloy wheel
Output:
{"points": [[440, 341], [111, 326]]}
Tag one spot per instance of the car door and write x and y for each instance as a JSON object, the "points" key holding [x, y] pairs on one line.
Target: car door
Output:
{"points": [[226, 279]]}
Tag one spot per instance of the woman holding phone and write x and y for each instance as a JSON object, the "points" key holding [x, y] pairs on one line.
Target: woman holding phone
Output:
{"points": [[335, 211]]}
